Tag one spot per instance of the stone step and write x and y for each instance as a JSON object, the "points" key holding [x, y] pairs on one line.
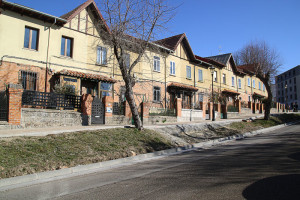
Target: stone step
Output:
{"points": [[3, 123], [5, 127]]}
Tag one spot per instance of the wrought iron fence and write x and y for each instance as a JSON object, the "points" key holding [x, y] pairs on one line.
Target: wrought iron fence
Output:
{"points": [[231, 108], [50, 100], [119, 108]]}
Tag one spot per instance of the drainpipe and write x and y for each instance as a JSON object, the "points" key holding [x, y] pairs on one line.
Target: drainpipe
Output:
{"points": [[47, 57], [165, 82]]}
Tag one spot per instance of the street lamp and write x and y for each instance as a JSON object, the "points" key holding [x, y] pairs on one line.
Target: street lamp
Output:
{"points": [[212, 71]]}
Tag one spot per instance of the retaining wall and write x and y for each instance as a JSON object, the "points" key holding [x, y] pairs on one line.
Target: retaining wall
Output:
{"points": [[38, 118]]}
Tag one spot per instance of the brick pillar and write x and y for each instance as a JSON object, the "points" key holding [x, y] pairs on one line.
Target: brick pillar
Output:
{"points": [[108, 107], [86, 109], [146, 109], [14, 103], [204, 110], [178, 107], [239, 105], [262, 107], [210, 108]]}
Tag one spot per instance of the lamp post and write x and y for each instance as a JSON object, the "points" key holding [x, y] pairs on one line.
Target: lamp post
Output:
{"points": [[212, 71]]}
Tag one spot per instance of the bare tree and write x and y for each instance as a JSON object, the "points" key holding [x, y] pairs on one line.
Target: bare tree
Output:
{"points": [[264, 62], [133, 25]]}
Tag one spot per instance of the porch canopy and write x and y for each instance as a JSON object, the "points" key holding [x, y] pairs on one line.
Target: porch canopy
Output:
{"points": [[179, 86], [231, 92], [258, 96], [87, 76]]}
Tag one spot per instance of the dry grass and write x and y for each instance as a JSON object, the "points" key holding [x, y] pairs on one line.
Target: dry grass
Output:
{"points": [[27, 155]]}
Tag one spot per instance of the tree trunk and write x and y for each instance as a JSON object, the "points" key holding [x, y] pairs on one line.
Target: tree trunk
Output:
{"points": [[268, 102], [133, 107]]}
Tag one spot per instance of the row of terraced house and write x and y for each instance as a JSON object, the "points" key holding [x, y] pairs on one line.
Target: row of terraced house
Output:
{"points": [[41, 54]]}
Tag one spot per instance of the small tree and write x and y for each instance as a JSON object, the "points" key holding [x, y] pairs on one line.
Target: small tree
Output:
{"points": [[264, 62], [133, 24]]}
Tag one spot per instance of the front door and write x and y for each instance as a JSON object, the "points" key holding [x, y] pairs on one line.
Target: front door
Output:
{"points": [[98, 111]]}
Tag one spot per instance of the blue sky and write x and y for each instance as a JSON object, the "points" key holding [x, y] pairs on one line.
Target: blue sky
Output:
{"points": [[221, 26]]}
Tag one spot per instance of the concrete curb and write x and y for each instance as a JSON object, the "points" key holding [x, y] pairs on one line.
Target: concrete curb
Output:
{"points": [[21, 181]]}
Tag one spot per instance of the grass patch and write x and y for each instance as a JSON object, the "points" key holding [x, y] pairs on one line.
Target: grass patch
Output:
{"points": [[27, 155], [243, 127]]}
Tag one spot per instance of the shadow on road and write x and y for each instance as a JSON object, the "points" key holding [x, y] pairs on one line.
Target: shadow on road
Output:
{"points": [[295, 156], [276, 187]]}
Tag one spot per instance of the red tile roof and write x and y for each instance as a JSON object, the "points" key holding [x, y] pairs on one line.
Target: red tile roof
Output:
{"points": [[182, 86], [171, 42], [249, 68], [87, 76], [230, 91]]}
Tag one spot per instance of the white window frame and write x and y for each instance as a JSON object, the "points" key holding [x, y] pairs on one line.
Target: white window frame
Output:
{"points": [[232, 81], [101, 55], [188, 72], [156, 94], [240, 83], [259, 85], [172, 68], [215, 76], [249, 82], [253, 83], [224, 78], [156, 63], [200, 75]]}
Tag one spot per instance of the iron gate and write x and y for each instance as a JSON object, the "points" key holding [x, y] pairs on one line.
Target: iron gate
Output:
{"points": [[3, 106], [98, 111]]}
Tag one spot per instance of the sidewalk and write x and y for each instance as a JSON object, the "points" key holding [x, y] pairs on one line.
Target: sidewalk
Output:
{"points": [[67, 129]]}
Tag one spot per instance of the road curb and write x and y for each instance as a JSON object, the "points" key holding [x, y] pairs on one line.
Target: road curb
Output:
{"points": [[21, 181]]}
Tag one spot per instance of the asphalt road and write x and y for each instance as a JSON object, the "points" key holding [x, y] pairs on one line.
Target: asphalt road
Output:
{"points": [[261, 167]]}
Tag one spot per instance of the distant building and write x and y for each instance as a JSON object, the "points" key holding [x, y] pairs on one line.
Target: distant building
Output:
{"points": [[274, 92], [287, 89]]}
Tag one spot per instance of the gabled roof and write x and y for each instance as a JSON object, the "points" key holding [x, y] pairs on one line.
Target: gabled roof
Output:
{"points": [[70, 15], [173, 42], [224, 58], [213, 62], [249, 68]]}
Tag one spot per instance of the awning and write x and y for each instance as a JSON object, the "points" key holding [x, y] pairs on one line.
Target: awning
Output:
{"points": [[86, 76], [232, 92], [182, 87], [258, 95]]}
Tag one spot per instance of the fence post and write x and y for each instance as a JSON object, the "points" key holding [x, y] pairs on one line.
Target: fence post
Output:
{"points": [[108, 106], [14, 103], [86, 109], [145, 111], [178, 107]]}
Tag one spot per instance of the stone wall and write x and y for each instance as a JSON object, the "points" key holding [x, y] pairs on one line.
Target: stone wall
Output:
{"points": [[159, 120], [38, 118]]}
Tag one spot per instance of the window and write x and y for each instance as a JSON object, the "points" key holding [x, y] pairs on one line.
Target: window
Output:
{"points": [[249, 98], [279, 93], [215, 77], [264, 87], [156, 64], [253, 85], [295, 88], [31, 38], [172, 68], [200, 97], [66, 46], [290, 81], [28, 80], [291, 89], [105, 89], [259, 85], [156, 94], [200, 75], [295, 81], [224, 78], [232, 81], [240, 83], [291, 97], [294, 72], [249, 83], [101, 55], [188, 72], [295, 96]]}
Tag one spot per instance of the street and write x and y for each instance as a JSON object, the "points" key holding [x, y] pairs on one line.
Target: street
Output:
{"points": [[260, 167]]}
